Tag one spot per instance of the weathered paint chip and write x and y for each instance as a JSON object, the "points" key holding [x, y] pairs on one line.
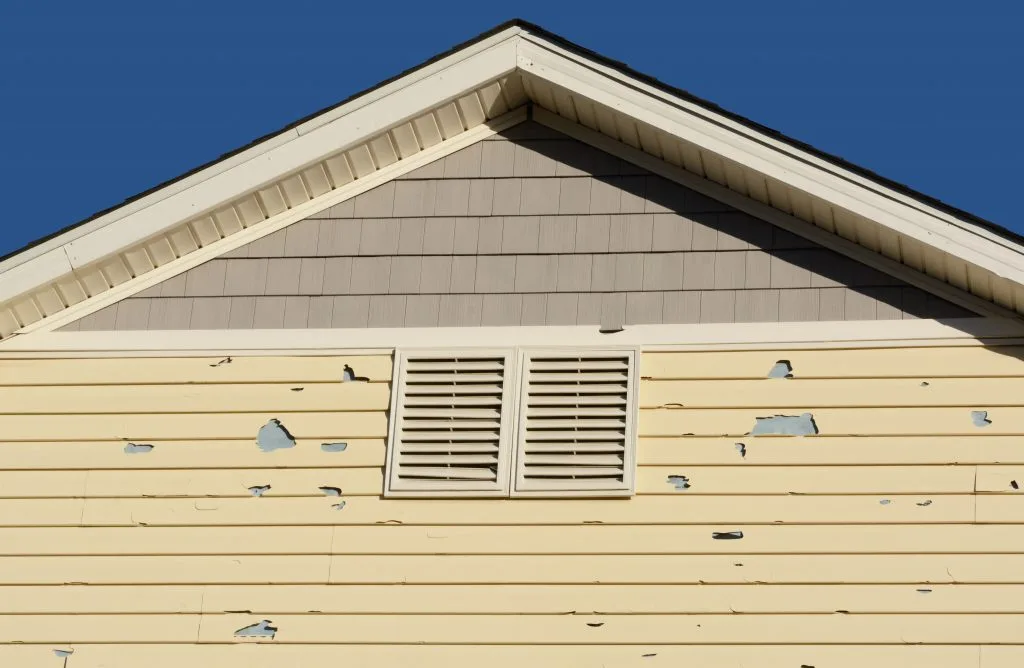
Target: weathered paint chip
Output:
{"points": [[333, 447], [261, 629], [980, 418], [137, 448], [785, 425], [726, 535], [782, 369], [273, 436], [331, 491], [259, 490], [680, 482]]}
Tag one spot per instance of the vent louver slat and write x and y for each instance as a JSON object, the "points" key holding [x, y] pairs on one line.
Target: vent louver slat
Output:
{"points": [[449, 431], [576, 426]]}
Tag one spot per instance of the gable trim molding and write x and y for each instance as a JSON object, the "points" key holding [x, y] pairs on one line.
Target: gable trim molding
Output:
{"points": [[709, 336], [515, 64], [275, 223], [772, 215]]}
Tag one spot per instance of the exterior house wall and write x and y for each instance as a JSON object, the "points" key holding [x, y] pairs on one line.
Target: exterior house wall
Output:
{"points": [[889, 539], [528, 227]]}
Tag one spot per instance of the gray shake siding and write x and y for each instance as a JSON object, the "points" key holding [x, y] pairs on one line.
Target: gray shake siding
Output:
{"points": [[526, 228]]}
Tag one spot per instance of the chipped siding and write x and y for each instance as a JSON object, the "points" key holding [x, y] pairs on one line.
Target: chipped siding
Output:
{"points": [[889, 538]]}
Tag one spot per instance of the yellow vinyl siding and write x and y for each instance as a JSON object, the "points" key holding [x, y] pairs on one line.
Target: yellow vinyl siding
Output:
{"points": [[891, 538]]}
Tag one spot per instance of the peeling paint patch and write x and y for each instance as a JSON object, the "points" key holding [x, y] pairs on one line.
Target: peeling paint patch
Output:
{"points": [[137, 448], [226, 360], [349, 376], [980, 418], [742, 449], [785, 425], [782, 369], [331, 491], [262, 629], [273, 436], [926, 502], [339, 506], [726, 535], [333, 447], [259, 490], [680, 482]]}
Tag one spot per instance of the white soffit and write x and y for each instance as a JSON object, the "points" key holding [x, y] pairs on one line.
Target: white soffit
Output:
{"points": [[403, 122]]}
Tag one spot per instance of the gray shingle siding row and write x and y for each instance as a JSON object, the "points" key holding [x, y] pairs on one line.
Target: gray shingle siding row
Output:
{"points": [[525, 228]]}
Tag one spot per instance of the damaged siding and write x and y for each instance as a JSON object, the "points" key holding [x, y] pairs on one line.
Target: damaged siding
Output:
{"points": [[528, 227], [890, 537]]}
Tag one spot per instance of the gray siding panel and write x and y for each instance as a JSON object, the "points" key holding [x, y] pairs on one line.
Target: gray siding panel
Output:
{"points": [[525, 228]]}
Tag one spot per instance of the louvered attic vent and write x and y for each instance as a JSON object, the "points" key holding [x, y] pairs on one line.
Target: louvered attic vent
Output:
{"points": [[450, 433], [519, 423], [576, 424]]}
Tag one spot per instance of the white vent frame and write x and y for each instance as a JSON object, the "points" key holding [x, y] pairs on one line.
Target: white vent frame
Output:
{"points": [[394, 486], [627, 488]]}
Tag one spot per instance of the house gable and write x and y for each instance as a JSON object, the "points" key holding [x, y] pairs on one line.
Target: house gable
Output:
{"points": [[527, 227]]}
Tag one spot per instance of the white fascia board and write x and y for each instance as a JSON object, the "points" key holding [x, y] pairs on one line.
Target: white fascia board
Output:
{"points": [[538, 58], [777, 144], [332, 132], [877, 333]]}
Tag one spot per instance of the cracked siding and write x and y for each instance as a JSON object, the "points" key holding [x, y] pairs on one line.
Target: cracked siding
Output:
{"points": [[160, 558]]}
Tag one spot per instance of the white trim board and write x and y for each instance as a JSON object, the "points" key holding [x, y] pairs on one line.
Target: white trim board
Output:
{"points": [[870, 333]]}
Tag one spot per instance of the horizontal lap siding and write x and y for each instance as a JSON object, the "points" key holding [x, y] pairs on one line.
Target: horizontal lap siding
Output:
{"points": [[899, 522]]}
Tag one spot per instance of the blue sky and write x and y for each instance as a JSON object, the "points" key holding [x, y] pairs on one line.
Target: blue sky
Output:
{"points": [[104, 99]]}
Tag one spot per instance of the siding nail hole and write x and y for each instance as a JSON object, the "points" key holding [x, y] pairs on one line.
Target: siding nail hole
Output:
{"points": [[680, 482], [926, 502], [261, 629], [782, 369], [331, 491], [259, 490], [1013, 484], [137, 448], [742, 449], [349, 376], [980, 418], [273, 436], [333, 447], [726, 535]]}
